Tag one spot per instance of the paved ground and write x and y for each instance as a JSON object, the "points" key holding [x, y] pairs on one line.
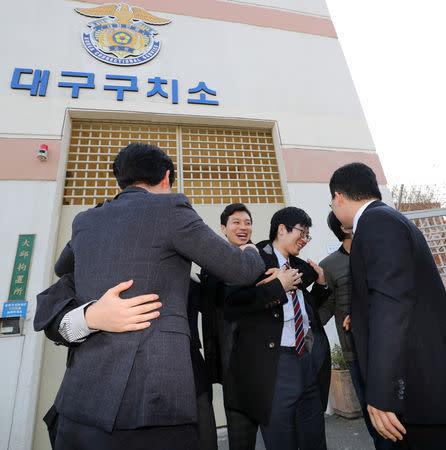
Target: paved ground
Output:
{"points": [[342, 434]]}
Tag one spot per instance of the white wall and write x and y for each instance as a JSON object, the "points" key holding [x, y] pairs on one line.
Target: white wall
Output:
{"points": [[300, 80], [27, 208]]}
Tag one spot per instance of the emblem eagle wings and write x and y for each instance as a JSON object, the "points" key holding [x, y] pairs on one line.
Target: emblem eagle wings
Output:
{"points": [[123, 13]]}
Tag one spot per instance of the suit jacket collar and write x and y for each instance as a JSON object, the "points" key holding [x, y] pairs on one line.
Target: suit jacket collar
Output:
{"points": [[359, 213], [374, 204], [342, 250], [133, 189]]}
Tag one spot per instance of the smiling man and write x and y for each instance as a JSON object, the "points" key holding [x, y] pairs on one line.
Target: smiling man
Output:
{"points": [[279, 368], [236, 225]]}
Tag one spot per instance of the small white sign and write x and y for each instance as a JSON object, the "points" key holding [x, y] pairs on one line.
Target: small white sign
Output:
{"points": [[332, 248]]}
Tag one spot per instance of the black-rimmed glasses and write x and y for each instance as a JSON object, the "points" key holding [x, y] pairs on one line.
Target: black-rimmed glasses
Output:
{"points": [[303, 233]]}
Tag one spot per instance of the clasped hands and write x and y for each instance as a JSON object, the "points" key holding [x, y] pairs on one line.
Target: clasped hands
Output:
{"points": [[291, 278], [288, 278]]}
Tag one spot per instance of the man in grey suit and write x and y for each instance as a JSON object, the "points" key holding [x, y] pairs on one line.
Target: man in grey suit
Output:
{"points": [[136, 390]]}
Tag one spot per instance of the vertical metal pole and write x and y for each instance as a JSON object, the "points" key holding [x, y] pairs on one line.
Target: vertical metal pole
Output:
{"points": [[400, 196]]}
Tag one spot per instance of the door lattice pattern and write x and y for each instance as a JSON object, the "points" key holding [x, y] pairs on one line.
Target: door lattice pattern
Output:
{"points": [[230, 165], [213, 165]]}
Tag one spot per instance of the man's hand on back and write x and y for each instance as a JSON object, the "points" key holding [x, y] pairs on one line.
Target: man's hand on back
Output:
{"points": [[115, 314]]}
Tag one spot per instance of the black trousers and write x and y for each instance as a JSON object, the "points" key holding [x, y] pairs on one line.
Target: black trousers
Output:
{"points": [[76, 436], [242, 431], [297, 417], [207, 431], [358, 383], [423, 437]]}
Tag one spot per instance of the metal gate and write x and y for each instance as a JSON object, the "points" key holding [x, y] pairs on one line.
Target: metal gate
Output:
{"points": [[432, 223]]}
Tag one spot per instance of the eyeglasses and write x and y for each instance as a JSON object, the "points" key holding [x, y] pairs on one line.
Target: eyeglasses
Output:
{"points": [[303, 234]]}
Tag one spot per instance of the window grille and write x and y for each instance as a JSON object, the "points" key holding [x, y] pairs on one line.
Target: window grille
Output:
{"points": [[432, 224], [213, 165], [229, 165], [94, 145]]}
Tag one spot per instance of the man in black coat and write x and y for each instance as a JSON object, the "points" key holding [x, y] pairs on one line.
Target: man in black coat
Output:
{"points": [[236, 225], [277, 380], [337, 274], [398, 313]]}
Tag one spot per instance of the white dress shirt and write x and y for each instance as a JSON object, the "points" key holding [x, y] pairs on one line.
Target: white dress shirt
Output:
{"points": [[73, 326], [359, 214], [288, 336]]}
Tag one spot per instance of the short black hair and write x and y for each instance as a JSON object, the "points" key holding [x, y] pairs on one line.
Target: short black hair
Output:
{"points": [[290, 217], [335, 225], [142, 163], [356, 181], [231, 209]]}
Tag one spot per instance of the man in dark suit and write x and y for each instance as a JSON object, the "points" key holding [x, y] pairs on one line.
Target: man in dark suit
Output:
{"points": [[236, 225], [137, 389], [398, 313], [337, 274], [279, 371], [118, 315]]}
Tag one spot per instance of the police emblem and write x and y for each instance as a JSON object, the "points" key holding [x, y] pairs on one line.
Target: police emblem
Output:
{"points": [[122, 35]]}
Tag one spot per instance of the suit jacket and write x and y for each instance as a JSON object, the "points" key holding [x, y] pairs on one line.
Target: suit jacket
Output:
{"points": [[398, 315], [217, 331], [251, 377], [142, 378], [337, 274], [60, 298]]}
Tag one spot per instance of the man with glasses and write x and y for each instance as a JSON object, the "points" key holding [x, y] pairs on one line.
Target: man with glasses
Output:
{"points": [[398, 314], [337, 273], [279, 369]]}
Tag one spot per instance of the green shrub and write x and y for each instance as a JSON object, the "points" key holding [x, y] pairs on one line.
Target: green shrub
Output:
{"points": [[337, 358]]}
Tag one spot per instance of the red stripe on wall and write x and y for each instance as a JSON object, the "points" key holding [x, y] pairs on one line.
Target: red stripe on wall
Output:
{"points": [[239, 13], [317, 166], [18, 159]]}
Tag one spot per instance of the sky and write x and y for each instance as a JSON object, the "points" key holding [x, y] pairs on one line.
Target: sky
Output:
{"points": [[396, 53]]}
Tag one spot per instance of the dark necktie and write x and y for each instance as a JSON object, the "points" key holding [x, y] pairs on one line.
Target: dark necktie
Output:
{"points": [[299, 334]]}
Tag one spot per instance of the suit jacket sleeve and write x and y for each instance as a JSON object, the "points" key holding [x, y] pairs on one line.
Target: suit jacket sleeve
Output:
{"points": [[52, 305], [320, 294], [326, 311], [327, 307], [390, 280], [194, 240], [65, 262], [241, 301]]}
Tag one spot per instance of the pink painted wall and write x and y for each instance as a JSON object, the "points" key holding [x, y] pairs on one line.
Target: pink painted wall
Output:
{"points": [[18, 160], [317, 166], [232, 12]]}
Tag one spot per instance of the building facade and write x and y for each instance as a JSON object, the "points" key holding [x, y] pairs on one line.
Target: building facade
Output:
{"points": [[252, 100]]}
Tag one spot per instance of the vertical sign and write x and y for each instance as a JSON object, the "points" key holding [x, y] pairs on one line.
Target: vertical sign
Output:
{"points": [[22, 263]]}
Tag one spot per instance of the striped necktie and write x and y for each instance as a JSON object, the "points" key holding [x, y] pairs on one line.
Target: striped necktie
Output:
{"points": [[299, 334]]}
